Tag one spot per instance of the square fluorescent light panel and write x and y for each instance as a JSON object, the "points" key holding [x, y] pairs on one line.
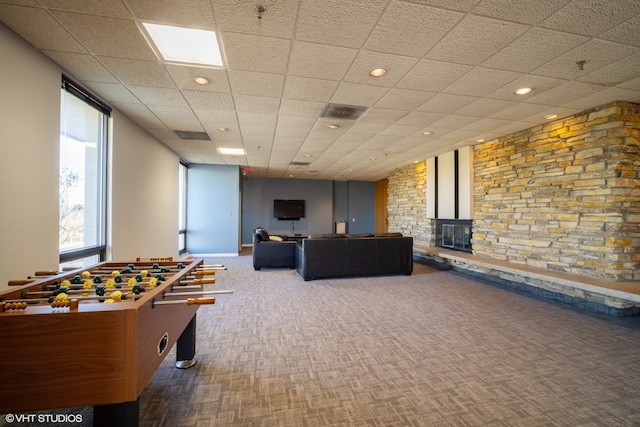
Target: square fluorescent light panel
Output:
{"points": [[178, 44]]}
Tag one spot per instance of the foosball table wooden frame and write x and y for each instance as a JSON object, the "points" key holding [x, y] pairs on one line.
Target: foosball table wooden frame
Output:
{"points": [[95, 353]]}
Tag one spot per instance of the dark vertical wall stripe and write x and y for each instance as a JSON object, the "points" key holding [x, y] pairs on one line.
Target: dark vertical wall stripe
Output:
{"points": [[435, 190], [456, 184]]}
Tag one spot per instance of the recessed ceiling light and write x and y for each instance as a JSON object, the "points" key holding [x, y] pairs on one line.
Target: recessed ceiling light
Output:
{"points": [[373, 158], [333, 126], [427, 133], [481, 140], [201, 80], [523, 91], [377, 72], [179, 44], [231, 151], [223, 129], [550, 116], [308, 155]]}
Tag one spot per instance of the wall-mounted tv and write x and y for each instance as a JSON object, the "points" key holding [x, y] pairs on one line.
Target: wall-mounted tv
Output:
{"points": [[288, 209]]}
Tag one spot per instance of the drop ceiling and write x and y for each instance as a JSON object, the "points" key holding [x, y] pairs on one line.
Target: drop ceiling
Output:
{"points": [[452, 69]]}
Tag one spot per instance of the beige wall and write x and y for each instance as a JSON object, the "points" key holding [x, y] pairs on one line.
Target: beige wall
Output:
{"points": [[144, 175]]}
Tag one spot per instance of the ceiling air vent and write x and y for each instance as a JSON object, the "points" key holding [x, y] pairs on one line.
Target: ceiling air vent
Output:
{"points": [[299, 164], [341, 111], [187, 134]]}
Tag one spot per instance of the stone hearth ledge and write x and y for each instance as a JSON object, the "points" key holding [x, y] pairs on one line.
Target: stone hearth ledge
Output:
{"points": [[624, 296]]}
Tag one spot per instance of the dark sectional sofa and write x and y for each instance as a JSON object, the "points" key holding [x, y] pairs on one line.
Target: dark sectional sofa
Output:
{"points": [[335, 255], [271, 253], [339, 255]]}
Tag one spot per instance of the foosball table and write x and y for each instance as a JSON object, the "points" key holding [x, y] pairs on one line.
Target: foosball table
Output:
{"points": [[95, 337]]}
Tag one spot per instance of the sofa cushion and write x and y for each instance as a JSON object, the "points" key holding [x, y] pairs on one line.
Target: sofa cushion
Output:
{"points": [[360, 235], [326, 236], [388, 234], [275, 238]]}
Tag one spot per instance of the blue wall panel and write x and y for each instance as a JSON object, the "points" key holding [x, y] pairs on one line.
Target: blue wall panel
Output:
{"points": [[213, 209]]}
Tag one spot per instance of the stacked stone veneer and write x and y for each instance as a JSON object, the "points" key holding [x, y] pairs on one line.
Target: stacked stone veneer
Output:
{"points": [[561, 196], [564, 196], [407, 204]]}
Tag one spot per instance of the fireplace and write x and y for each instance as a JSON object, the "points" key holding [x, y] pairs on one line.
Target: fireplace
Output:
{"points": [[454, 234]]}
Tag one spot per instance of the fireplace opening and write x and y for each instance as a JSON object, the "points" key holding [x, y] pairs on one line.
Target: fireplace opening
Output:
{"points": [[454, 234]]}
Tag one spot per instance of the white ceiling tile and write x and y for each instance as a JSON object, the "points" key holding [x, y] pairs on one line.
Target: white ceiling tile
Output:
{"points": [[566, 93], [294, 107], [357, 94], [125, 37], [284, 68], [159, 96], [251, 83], [596, 53], [337, 22], [604, 97], [383, 115], [525, 11], [278, 20], [521, 111], [538, 84], [615, 73], [485, 107], [191, 13], [454, 121], [39, 28], [396, 66], [481, 81], [141, 73], [445, 103], [85, 67], [418, 118], [115, 8], [177, 118], [631, 84], [625, 33], [257, 104], [362, 126], [430, 75], [475, 39], [113, 92], [403, 99], [209, 100], [533, 49], [254, 53], [257, 119], [421, 28], [591, 17], [184, 75], [320, 61], [486, 125], [140, 114], [402, 130], [308, 89]]}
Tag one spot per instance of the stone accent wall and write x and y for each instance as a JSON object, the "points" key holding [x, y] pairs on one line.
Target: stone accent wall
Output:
{"points": [[565, 195], [407, 204]]}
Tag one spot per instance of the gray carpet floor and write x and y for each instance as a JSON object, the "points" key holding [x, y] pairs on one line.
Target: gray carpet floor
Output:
{"points": [[436, 348]]}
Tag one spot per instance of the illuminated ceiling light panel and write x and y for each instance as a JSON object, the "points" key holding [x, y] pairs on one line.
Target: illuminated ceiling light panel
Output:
{"points": [[187, 45], [231, 151]]}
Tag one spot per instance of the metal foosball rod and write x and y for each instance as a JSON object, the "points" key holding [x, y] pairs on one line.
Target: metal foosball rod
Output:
{"points": [[185, 294], [188, 301]]}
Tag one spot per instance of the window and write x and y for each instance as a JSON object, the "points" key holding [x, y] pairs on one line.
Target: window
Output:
{"points": [[82, 179], [182, 209]]}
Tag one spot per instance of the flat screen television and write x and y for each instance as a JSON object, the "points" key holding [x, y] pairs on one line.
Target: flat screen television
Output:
{"points": [[288, 209]]}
